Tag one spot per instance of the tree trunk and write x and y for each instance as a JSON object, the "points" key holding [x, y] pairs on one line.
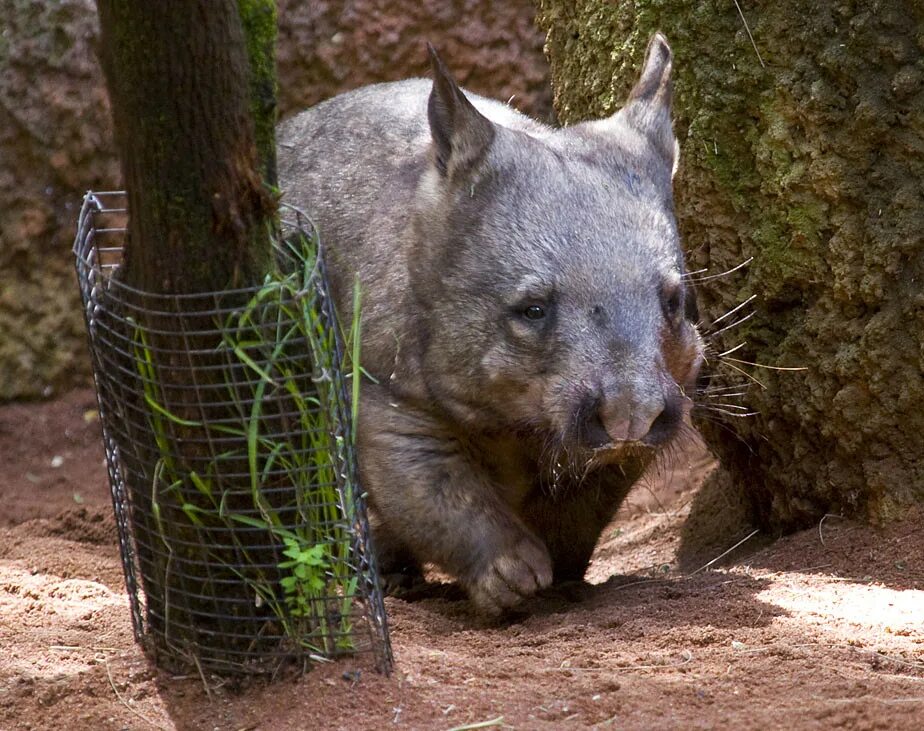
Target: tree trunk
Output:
{"points": [[802, 134], [189, 116], [192, 87]]}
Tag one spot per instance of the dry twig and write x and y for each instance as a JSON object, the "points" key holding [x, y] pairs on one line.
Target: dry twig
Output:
{"points": [[127, 705], [745, 21], [722, 555]]}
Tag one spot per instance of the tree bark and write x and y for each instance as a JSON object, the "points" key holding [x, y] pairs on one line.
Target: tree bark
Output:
{"points": [[192, 90], [802, 136], [180, 83]]}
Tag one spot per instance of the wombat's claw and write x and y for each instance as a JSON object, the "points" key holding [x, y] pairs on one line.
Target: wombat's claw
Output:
{"points": [[399, 583], [513, 576]]}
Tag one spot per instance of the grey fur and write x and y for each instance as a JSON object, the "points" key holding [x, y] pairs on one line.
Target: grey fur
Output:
{"points": [[495, 445]]}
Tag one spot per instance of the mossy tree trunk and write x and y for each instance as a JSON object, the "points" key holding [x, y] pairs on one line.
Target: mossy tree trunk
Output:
{"points": [[192, 88], [803, 148]]}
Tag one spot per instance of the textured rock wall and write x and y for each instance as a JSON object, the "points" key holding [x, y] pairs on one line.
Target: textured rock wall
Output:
{"points": [[55, 136], [811, 162], [54, 144], [493, 48]]}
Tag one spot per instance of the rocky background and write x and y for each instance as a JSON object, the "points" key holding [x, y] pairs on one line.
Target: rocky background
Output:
{"points": [[55, 136], [804, 149]]}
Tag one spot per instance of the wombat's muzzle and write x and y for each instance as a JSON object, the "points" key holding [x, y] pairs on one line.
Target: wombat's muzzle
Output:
{"points": [[608, 422]]}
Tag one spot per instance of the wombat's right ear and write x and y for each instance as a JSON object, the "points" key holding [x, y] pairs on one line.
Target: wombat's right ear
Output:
{"points": [[461, 134], [648, 108]]}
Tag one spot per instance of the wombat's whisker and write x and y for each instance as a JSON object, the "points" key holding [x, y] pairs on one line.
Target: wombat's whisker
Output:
{"points": [[673, 449], [732, 350], [728, 406], [753, 43], [724, 409], [552, 459], [720, 423], [769, 367], [722, 274], [687, 433], [588, 467], [729, 327], [735, 309], [725, 361], [736, 415], [669, 453], [721, 389], [646, 481], [732, 394]]}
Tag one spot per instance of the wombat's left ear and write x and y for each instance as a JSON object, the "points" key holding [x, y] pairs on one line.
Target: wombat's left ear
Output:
{"points": [[648, 108], [461, 134]]}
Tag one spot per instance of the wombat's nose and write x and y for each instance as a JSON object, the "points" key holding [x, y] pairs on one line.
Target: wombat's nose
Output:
{"points": [[665, 424], [650, 421], [592, 431], [609, 421], [632, 428]]}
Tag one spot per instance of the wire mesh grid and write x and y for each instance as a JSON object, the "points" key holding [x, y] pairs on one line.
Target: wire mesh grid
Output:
{"points": [[228, 439]]}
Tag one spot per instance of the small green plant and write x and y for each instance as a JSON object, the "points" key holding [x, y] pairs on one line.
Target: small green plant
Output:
{"points": [[308, 566], [284, 529]]}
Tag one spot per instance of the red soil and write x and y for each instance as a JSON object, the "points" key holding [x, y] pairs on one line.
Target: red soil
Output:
{"points": [[822, 629]]}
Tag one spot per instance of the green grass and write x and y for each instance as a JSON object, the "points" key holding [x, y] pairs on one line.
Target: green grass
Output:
{"points": [[288, 440]]}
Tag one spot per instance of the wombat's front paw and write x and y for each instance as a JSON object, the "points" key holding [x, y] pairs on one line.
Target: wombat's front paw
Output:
{"points": [[516, 573], [399, 583]]}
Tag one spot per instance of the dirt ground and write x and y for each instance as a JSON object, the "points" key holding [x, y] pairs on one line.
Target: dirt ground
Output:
{"points": [[819, 630]]}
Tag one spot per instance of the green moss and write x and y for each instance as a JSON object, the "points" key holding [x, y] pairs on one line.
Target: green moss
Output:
{"points": [[807, 220], [801, 163], [258, 18]]}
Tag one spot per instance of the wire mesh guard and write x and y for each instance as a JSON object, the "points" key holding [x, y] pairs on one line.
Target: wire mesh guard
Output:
{"points": [[228, 439]]}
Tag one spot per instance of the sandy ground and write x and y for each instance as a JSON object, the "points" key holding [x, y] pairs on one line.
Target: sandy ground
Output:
{"points": [[818, 630]]}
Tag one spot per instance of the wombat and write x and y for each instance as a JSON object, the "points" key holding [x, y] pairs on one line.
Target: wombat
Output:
{"points": [[526, 317]]}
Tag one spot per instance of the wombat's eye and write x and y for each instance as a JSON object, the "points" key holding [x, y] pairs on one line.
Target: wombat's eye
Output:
{"points": [[534, 312], [690, 308], [672, 300]]}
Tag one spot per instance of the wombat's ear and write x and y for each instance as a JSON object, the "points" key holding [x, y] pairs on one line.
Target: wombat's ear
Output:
{"points": [[648, 108], [461, 134]]}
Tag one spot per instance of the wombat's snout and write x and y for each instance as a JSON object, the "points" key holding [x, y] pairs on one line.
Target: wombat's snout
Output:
{"points": [[605, 421]]}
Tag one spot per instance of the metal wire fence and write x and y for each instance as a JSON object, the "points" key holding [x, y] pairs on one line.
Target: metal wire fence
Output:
{"points": [[228, 437]]}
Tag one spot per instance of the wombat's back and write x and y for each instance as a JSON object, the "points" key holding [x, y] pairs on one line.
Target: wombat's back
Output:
{"points": [[329, 154], [340, 148], [362, 153], [354, 163]]}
